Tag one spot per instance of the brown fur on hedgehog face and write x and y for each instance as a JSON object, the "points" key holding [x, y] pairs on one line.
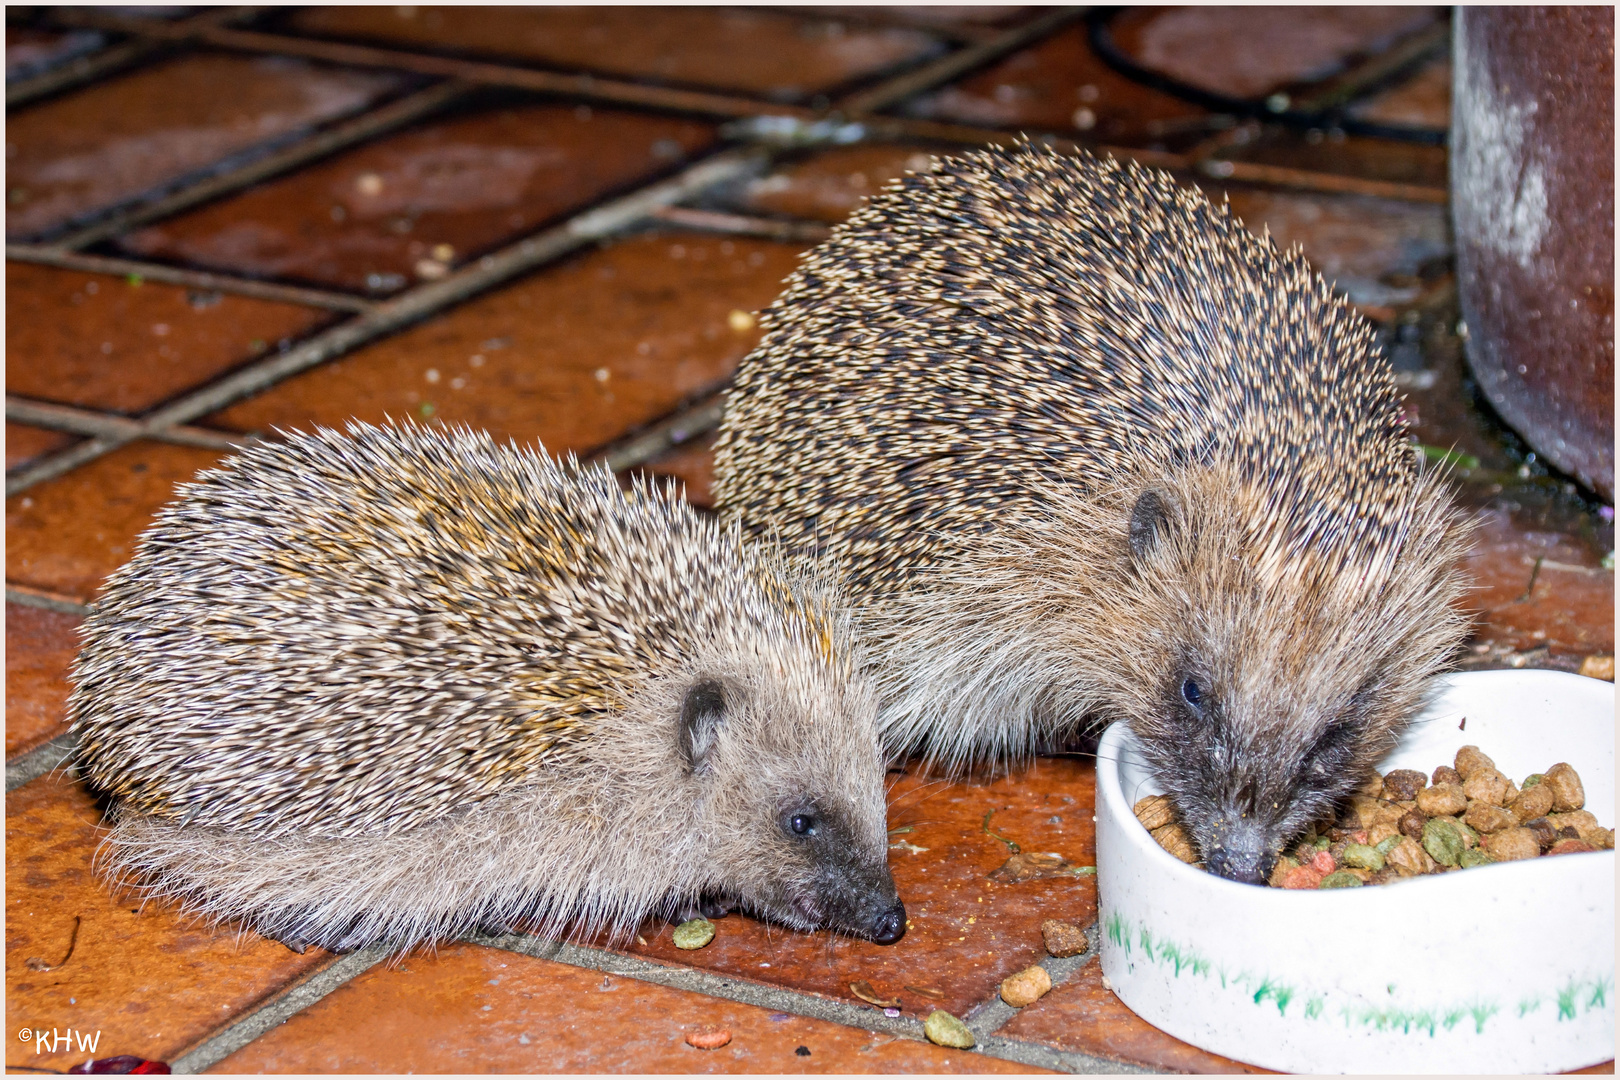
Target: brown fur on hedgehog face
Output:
{"points": [[1262, 683], [790, 825]]}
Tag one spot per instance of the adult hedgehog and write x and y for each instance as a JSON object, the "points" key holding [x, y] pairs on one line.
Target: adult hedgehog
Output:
{"points": [[1090, 451], [396, 685]]}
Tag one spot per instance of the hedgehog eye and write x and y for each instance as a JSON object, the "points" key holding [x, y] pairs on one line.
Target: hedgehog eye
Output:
{"points": [[803, 824], [1191, 694]]}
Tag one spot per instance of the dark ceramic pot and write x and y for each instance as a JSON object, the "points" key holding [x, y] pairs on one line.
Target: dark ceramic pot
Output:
{"points": [[1532, 184]]}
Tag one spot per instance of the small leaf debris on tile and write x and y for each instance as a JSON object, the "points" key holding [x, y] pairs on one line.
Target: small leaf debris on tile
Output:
{"points": [[926, 991], [864, 991], [1037, 866]]}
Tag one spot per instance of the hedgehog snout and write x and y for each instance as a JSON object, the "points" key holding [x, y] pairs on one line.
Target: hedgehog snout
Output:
{"points": [[1240, 848]]}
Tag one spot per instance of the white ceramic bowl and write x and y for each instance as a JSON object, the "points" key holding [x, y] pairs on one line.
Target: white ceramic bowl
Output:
{"points": [[1505, 968]]}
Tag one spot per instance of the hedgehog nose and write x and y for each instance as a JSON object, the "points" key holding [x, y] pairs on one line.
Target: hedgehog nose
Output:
{"points": [[890, 927], [1239, 852]]}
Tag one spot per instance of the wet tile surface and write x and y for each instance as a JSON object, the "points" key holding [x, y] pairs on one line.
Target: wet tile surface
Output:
{"points": [[67, 534], [1084, 1017], [150, 981], [31, 52], [40, 645], [573, 356], [1422, 100], [1376, 251], [1246, 52], [405, 208], [776, 54], [475, 1009], [966, 931], [125, 346], [1370, 159], [1539, 587], [1060, 85], [830, 185], [24, 443], [119, 138]]}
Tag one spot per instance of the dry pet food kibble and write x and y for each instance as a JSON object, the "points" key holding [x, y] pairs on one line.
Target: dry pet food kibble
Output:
{"points": [[1404, 824]]}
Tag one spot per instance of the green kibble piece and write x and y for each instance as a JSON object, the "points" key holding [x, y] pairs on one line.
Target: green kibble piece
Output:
{"points": [[1322, 843], [1531, 781], [1443, 842], [1472, 857], [1363, 855], [1387, 844], [694, 934], [1342, 879], [943, 1029]]}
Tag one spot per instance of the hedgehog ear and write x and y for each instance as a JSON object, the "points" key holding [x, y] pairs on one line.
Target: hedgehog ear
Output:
{"points": [[1150, 523], [703, 710]]}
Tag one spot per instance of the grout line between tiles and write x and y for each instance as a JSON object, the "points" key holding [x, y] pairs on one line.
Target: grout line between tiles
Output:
{"points": [[319, 144], [680, 427], [719, 221], [779, 999], [108, 61], [42, 759], [40, 598], [591, 87], [413, 305], [279, 1009], [44, 255], [81, 69], [957, 63], [69, 418]]}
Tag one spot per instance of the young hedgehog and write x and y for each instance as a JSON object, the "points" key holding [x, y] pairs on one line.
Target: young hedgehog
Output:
{"points": [[397, 685], [1090, 451]]}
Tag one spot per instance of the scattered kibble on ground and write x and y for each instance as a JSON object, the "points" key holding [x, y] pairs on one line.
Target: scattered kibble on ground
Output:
{"points": [[1063, 939], [694, 934], [1404, 824], [943, 1029], [708, 1037], [1026, 987]]}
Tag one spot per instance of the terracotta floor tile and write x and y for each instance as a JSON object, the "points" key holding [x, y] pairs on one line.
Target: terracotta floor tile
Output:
{"points": [[1060, 85], [24, 443], [1424, 100], [965, 932], [573, 356], [67, 534], [783, 56], [1570, 606], [473, 1009], [1246, 52], [691, 465], [40, 645], [961, 16], [831, 184], [149, 980], [1371, 159], [1083, 1017], [109, 343], [407, 206], [126, 135]]}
